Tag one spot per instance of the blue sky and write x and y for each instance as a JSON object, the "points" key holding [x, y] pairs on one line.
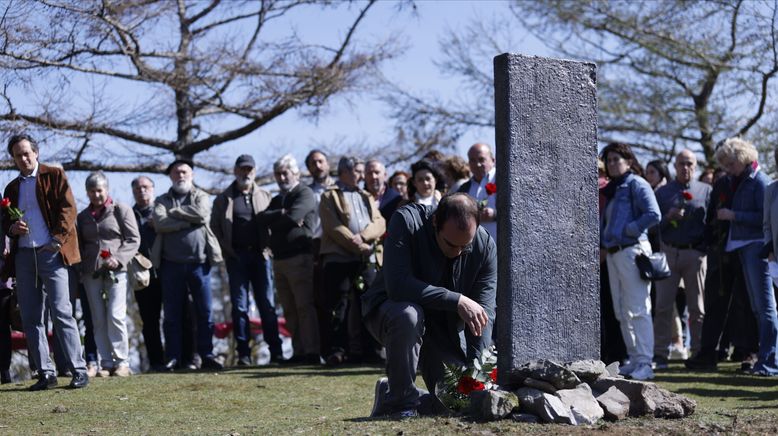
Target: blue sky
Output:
{"points": [[360, 118]]}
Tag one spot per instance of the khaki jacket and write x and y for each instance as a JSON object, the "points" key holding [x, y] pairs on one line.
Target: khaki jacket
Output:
{"points": [[335, 215], [58, 207], [168, 217], [221, 217]]}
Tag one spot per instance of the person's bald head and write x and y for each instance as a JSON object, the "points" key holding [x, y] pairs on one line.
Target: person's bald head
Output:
{"points": [[481, 160], [685, 166]]}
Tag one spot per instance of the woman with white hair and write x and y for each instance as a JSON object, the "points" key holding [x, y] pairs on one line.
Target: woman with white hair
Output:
{"points": [[108, 238], [746, 237]]}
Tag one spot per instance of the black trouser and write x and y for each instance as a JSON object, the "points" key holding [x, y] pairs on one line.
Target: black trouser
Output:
{"points": [[5, 330], [726, 306], [149, 301], [612, 348], [342, 303]]}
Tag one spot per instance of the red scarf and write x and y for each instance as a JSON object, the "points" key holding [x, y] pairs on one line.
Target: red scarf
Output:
{"points": [[98, 213]]}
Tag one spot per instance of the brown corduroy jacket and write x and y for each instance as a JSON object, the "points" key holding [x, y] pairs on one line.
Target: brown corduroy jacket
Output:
{"points": [[58, 207]]}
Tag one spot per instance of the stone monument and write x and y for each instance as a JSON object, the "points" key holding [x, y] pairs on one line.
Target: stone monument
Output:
{"points": [[548, 304]]}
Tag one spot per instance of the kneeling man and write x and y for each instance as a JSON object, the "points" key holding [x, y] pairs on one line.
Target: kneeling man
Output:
{"points": [[439, 281]]}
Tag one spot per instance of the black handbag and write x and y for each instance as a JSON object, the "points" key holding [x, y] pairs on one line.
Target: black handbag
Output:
{"points": [[652, 266]]}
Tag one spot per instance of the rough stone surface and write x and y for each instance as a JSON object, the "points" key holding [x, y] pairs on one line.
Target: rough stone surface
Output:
{"points": [[614, 403], [587, 370], [546, 156], [583, 406], [540, 385], [542, 369], [525, 417], [648, 398], [613, 370], [546, 406], [492, 405]]}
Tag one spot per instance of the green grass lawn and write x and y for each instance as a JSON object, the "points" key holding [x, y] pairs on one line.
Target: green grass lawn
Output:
{"points": [[309, 400]]}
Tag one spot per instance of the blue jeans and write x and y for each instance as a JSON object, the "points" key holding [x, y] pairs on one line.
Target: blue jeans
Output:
{"points": [[760, 293], [176, 279], [36, 270], [251, 268]]}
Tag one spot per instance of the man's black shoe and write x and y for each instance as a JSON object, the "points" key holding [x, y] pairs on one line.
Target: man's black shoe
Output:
{"points": [[210, 362], [244, 361], [171, 365], [44, 382], [80, 380]]}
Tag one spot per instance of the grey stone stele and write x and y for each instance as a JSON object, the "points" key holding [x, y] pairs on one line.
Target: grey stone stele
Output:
{"points": [[548, 304]]}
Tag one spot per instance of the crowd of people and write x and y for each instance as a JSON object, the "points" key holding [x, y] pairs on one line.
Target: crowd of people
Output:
{"points": [[372, 267], [718, 234], [314, 246]]}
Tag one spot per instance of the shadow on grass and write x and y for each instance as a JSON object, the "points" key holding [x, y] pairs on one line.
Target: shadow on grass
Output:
{"points": [[738, 394], [315, 371], [727, 379]]}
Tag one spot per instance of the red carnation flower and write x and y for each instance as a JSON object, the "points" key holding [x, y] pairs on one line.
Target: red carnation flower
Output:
{"points": [[493, 375], [468, 384], [6, 202], [105, 254], [687, 195], [491, 188]]}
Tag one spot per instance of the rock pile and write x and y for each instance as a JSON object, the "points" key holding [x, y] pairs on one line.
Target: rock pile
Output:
{"points": [[576, 393]]}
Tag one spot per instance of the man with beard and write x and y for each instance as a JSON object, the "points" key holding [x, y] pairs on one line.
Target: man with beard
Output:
{"points": [[183, 253], [243, 241], [290, 219]]}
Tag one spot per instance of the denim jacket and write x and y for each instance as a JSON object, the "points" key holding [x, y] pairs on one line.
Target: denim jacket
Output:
{"points": [[748, 205], [629, 213]]}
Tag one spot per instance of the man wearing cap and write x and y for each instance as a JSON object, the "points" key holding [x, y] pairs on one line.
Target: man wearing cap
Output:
{"points": [[184, 251], [243, 240]]}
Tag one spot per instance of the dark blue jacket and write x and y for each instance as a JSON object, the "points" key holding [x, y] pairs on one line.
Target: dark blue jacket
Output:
{"points": [[748, 205], [414, 270]]}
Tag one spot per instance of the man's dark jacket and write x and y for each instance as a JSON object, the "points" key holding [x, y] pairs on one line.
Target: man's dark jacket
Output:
{"points": [[290, 229], [414, 267]]}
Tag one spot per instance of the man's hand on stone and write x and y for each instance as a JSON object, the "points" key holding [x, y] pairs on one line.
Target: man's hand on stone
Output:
{"points": [[19, 228], [473, 314]]}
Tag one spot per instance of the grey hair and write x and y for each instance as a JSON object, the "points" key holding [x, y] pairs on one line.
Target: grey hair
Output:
{"points": [[348, 163], [287, 161], [96, 179], [137, 180]]}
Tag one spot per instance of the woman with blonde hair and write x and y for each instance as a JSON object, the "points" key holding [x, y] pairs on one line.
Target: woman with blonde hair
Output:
{"points": [[746, 237]]}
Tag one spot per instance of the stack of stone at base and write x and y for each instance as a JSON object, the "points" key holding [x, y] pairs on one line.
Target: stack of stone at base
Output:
{"points": [[577, 393]]}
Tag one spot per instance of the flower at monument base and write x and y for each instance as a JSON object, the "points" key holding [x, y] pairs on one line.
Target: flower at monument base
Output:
{"points": [[468, 384], [458, 382]]}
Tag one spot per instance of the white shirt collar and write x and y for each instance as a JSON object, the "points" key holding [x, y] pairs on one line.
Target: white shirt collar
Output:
{"points": [[33, 174]]}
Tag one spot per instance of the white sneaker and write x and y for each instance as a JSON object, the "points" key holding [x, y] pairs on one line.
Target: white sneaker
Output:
{"points": [[678, 353], [643, 372], [627, 368]]}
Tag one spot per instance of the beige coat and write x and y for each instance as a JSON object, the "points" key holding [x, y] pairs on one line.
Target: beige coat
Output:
{"points": [[335, 215], [115, 231]]}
